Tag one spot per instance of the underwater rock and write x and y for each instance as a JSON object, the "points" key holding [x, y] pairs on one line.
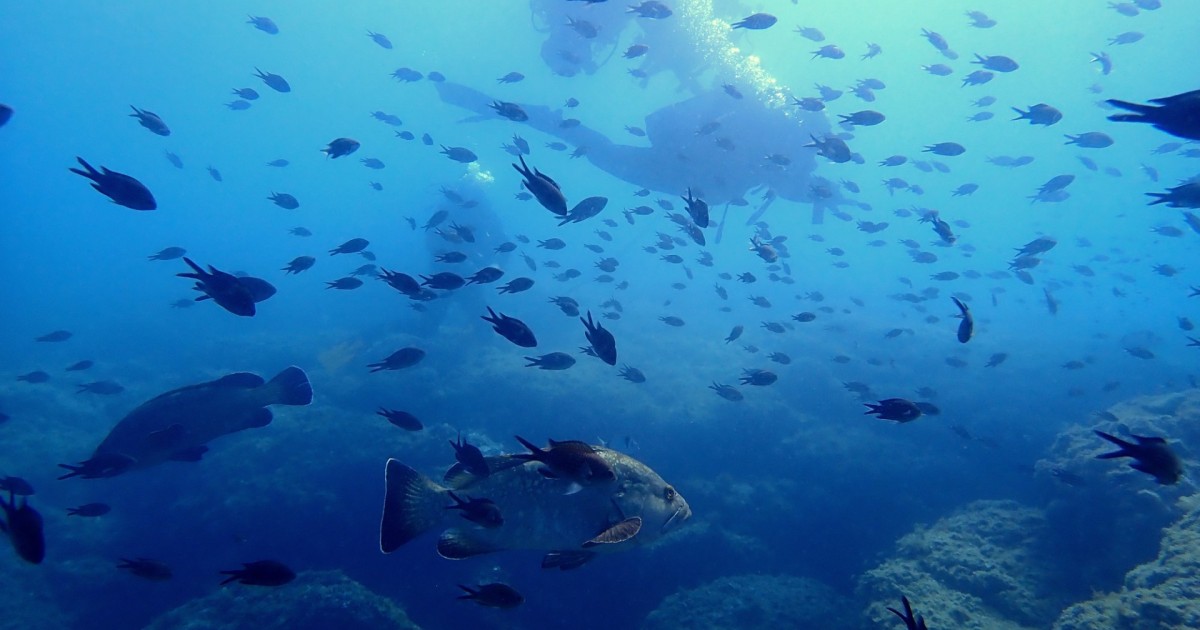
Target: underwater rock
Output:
{"points": [[1103, 504], [983, 567], [755, 601], [1162, 593], [316, 599]]}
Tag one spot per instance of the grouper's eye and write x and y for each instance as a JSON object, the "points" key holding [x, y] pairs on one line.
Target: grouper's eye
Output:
{"points": [[669, 494]]}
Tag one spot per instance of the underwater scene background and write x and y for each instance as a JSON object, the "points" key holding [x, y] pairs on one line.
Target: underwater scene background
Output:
{"points": [[745, 350]]}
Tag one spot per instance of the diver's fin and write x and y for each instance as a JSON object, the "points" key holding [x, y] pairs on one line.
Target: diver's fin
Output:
{"points": [[240, 380], [412, 504], [290, 387], [456, 544], [192, 454], [617, 533], [566, 560], [260, 418]]}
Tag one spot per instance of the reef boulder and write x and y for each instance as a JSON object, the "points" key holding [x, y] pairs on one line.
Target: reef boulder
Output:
{"points": [[755, 602]]}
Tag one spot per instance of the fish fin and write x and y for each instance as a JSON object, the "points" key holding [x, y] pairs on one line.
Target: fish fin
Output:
{"points": [[240, 380], [566, 560], [260, 418], [192, 454], [617, 533], [1125, 450], [457, 544], [459, 477], [291, 387], [572, 488], [1143, 440], [90, 173], [412, 504]]}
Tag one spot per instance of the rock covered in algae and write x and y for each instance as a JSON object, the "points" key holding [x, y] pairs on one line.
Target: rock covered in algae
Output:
{"points": [[1163, 594], [1103, 504], [317, 599], [983, 567], [755, 602]]}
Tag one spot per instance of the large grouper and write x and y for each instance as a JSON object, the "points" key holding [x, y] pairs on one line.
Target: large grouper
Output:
{"points": [[178, 425], [535, 511]]}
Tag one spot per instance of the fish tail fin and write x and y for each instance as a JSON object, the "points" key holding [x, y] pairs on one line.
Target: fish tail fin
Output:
{"points": [[535, 453], [90, 173], [291, 387], [1126, 448], [412, 504], [1133, 107]]}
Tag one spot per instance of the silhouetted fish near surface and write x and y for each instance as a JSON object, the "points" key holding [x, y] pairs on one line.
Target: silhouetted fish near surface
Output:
{"points": [[264, 24], [179, 424], [122, 189], [260, 573], [1152, 454], [632, 508], [339, 147]]}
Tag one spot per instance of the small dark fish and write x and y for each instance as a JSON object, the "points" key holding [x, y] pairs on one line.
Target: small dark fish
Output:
{"points": [[264, 24], [56, 336], [402, 419], [911, 621], [260, 573], [146, 568], [34, 377], [23, 525], [966, 328], [756, 22], [603, 344], [122, 189], [896, 409], [543, 188], [999, 63], [571, 460], [459, 154], [399, 360], [284, 200], [470, 457], [495, 595], [225, 289], [79, 366], [151, 121], [483, 512], [1177, 115], [89, 510], [1040, 114], [352, 246], [1152, 454], [551, 361], [6, 113], [1089, 140], [299, 264], [273, 81], [511, 329], [381, 39], [339, 147]]}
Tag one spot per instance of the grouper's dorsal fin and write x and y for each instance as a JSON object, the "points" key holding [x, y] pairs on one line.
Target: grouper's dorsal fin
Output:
{"points": [[458, 477], [240, 380], [618, 533], [456, 544]]}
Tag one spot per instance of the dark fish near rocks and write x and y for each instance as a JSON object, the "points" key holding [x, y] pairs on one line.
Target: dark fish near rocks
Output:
{"points": [[896, 409], [603, 344], [634, 507], [179, 424], [225, 289], [260, 573], [495, 595], [511, 329], [1152, 456]]}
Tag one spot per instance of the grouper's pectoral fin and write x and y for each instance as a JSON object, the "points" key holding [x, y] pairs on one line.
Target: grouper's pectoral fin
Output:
{"points": [[566, 560], [617, 533], [456, 544], [260, 418]]}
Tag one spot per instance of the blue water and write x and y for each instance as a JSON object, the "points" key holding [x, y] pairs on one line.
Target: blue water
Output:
{"points": [[795, 472]]}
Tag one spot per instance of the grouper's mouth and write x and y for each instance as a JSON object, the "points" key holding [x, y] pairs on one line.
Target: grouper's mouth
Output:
{"points": [[680, 515]]}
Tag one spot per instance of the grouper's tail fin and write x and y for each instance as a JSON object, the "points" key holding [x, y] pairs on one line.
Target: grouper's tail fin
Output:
{"points": [[291, 387], [412, 504]]}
